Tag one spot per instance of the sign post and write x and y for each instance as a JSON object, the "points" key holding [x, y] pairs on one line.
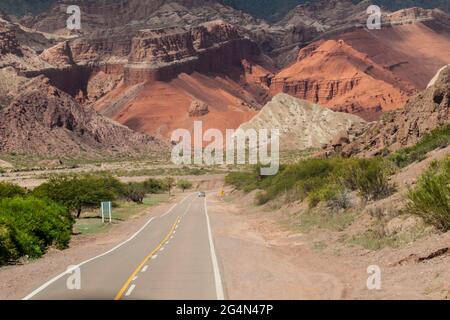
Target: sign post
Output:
{"points": [[107, 211]]}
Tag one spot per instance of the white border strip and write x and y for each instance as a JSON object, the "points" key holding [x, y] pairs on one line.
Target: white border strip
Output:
{"points": [[53, 280], [217, 277]]}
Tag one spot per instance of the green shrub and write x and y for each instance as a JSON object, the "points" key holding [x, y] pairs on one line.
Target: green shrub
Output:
{"points": [[77, 192], [335, 197], [318, 179], [368, 176], [438, 138], [135, 192], [246, 181], [430, 199], [28, 226], [154, 186], [8, 251], [184, 184], [10, 190]]}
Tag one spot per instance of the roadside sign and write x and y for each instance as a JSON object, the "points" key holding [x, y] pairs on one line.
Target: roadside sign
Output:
{"points": [[106, 211]]}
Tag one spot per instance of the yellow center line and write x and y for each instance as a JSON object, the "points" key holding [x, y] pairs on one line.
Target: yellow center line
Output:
{"points": [[142, 264]]}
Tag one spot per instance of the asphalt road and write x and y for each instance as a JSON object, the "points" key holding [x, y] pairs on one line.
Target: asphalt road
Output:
{"points": [[171, 257]]}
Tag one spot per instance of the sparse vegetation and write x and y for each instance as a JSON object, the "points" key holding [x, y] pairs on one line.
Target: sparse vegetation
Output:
{"points": [[376, 238], [438, 138], [331, 221], [319, 180], [430, 199]]}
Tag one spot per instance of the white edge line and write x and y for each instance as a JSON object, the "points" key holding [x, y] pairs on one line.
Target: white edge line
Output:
{"points": [[217, 277], [130, 290], [48, 283]]}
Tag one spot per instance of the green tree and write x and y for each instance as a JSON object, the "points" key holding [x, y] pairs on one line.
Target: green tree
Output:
{"points": [[170, 183], [76, 193], [184, 184], [154, 186]]}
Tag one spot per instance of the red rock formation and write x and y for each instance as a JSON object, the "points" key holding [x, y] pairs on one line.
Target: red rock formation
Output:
{"points": [[161, 55], [402, 128], [333, 74], [59, 56]]}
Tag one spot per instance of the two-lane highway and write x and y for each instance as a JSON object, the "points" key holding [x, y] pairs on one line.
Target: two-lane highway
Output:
{"points": [[171, 257]]}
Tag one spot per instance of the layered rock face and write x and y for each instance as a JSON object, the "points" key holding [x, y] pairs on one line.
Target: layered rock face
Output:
{"points": [[402, 128], [45, 121], [8, 42], [334, 74], [160, 55], [302, 125]]}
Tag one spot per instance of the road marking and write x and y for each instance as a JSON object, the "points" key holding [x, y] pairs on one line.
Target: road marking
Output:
{"points": [[144, 269], [162, 249], [134, 279], [130, 290], [154, 256], [53, 280], [217, 277], [151, 255], [181, 202]]}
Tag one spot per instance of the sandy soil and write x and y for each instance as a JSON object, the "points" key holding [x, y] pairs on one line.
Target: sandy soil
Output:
{"points": [[256, 267], [19, 280], [261, 260]]}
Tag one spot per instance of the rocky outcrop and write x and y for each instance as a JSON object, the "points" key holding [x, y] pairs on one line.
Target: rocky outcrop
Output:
{"points": [[8, 42], [45, 121], [334, 74], [165, 53], [402, 128], [302, 125], [59, 56], [198, 109]]}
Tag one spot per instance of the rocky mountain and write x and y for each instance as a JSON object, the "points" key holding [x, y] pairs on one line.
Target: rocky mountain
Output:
{"points": [[302, 125], [45, 121], [401, 128], [156, 66], [273, 10], [367, 72]]}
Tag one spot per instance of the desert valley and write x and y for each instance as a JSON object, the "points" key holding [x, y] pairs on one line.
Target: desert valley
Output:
{"points": [[87, 115]]}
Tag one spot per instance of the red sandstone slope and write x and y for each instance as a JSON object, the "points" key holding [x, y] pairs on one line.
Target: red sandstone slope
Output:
{"points": [[336, 75], [366, 72], [170, 69], [160, 107]]}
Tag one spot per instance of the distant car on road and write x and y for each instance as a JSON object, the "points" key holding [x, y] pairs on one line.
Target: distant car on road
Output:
{"points": [[201, 194]]}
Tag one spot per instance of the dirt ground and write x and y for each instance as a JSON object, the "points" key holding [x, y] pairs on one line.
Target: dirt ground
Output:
{"points": [[260, 259]]}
